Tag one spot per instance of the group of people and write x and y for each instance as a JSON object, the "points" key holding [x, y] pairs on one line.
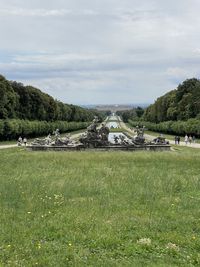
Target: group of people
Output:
{"points": [[187, 139], [22, 141], [177, 140]]}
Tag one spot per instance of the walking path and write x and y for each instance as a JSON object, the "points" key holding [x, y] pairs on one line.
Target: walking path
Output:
{"points": [[76, 135], [7, 146], [151, 137], [124, 126]]}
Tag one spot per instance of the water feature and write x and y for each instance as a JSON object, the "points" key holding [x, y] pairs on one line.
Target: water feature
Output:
{"points": [[113, 118], [112, 124], [98, 138], [111, 137]]}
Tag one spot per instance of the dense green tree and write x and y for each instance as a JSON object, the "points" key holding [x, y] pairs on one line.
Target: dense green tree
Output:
{"points": [[26, 110], [191, 126], [139, 112], [132, 114], [28, 102], [8, 99], [182, 103], [13, 128]]}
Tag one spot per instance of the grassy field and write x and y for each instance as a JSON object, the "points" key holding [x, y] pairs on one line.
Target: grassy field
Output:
{"points": [[100, 208], [116, 130]]}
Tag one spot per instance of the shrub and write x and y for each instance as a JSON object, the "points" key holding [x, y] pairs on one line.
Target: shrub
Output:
{"points": [[192, 126], [12, 129]]}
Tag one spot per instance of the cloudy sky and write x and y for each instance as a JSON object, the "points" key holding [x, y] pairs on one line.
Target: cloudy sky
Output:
{"points": [[100, 51]]}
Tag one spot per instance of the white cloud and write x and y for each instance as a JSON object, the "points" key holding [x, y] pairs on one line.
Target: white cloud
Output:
{"points": [[34, 12], [180, 73], [100, 51]]}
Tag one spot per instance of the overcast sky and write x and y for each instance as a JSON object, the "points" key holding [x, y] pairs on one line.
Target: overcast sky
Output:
{"points": [[100, 51]]}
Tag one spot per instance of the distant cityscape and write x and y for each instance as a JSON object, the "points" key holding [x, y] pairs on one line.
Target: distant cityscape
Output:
{"points": [[115, 107]]}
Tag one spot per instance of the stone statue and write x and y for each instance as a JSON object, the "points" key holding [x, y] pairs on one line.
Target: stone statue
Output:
{"points": [[140, 131], [56, 140], [116, 139], [94, 137], [123, 140], [57, 134], [48, 139], [39, 142], [139, 138], [92, 129], [104, 132]]}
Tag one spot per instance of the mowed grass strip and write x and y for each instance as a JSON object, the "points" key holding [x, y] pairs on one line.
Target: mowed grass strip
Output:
{"points": [[100, 208]]}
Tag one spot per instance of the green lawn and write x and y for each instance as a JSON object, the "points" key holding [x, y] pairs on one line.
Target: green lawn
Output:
{"points": [[100, 208], [116, 130]]}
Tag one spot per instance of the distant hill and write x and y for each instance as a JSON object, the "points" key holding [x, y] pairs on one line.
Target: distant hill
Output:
{"points": [[115, 107], [182, 103]]}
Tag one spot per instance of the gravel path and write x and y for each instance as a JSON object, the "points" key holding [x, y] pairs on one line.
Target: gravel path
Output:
{"points": [[194, 145], [151, 137], [7, 146]]}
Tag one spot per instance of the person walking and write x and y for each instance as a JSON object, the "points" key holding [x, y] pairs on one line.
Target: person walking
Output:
{"points": [[186, 139], [190, 139], [178, 140], [193, 139], [25, 141], [19, 143]]}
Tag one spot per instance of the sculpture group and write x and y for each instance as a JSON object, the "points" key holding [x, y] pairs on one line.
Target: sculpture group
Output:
{"points": [[53, 140], [93, 137], [97, 137]]}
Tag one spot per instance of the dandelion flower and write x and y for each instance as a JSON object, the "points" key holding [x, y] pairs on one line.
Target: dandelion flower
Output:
{"points": [[144, 241], [172, 246]]}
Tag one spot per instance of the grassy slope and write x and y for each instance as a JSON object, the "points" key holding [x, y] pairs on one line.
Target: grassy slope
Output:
{"points": [[90, 208]]}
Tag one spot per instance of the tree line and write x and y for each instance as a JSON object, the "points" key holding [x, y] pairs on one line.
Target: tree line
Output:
{"points": [[182, 103], [191, 126], [11, 129], [176, 112], [27, 111], [29, 103], [133, 114]]}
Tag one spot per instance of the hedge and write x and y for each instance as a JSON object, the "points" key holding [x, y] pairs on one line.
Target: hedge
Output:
{"points": [[191, 126], [13, 128]]}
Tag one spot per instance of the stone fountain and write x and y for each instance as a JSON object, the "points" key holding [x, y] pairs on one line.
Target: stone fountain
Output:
{"points": [[97, 138]]}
